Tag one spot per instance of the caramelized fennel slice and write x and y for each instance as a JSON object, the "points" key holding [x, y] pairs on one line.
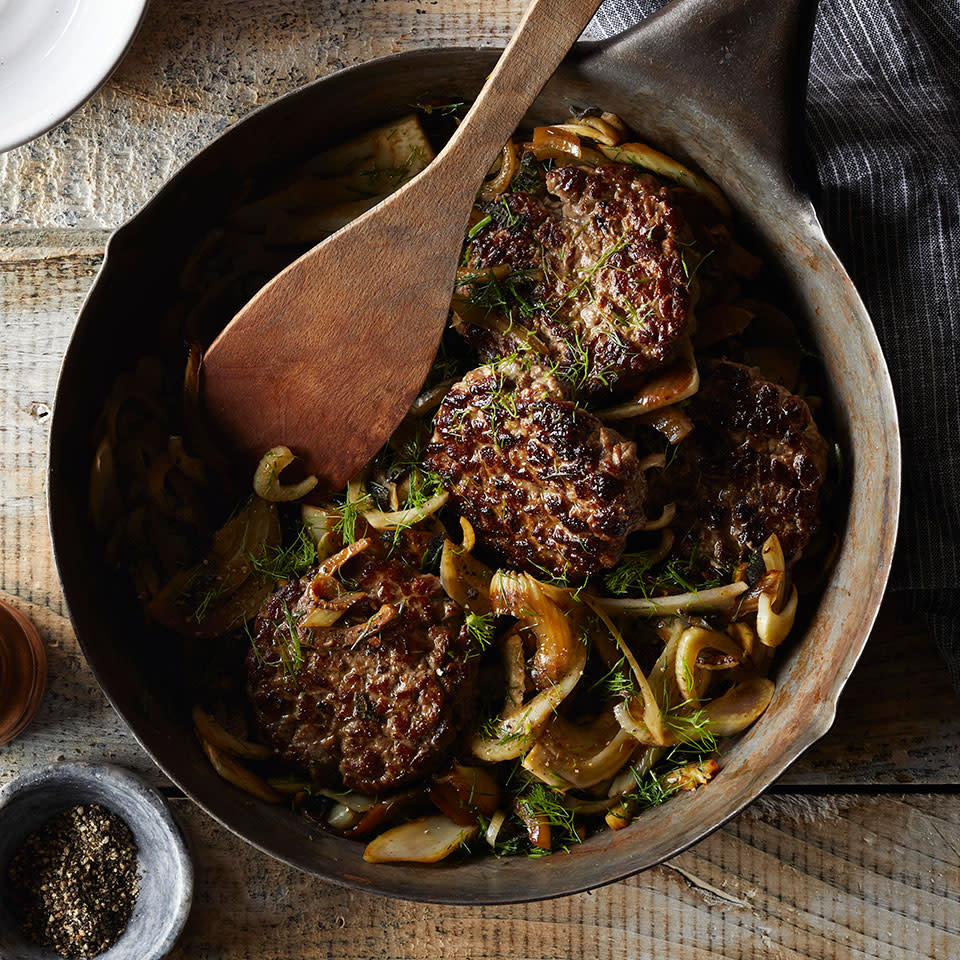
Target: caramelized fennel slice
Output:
{"points": [[424, 840]]}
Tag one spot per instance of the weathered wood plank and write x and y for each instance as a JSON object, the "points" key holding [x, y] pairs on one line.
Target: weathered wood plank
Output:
{"points": [[75, 721], [43, 279], [198, 66], [843, 877], [898, 720]]}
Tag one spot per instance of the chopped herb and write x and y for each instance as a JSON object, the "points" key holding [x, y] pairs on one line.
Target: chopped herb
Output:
{"points": [[637, 571], [670, 454], [651, 789], [617, 683], [452, 108], [350, 512], [286, 563], [504, 215], [630, 573], [700, 263], [530, 177], [291, 653], [541, 801], [587, 276], [480, 629], [207, 598], [512, 295], [479, 225], [692, 727]]}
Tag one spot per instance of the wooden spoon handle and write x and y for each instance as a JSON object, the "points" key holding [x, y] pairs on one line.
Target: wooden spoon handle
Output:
{"points": [[544, 36]]}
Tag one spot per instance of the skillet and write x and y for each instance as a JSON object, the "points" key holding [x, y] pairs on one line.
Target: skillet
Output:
{"points": [[716, 82]]}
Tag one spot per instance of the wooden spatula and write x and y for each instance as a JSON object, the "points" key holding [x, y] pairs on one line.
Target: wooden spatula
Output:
{"points": [[329, 355]]}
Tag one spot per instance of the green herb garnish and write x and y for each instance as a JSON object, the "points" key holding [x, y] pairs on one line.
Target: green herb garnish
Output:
{"points": [[285, 563]]}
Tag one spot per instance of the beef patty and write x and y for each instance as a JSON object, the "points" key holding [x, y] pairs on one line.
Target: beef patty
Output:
{"points": [[599, 266], [752, 467], [375, 709], [545, 484]]}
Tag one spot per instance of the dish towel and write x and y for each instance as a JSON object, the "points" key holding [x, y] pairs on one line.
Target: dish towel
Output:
{"points": [[883, 125]]}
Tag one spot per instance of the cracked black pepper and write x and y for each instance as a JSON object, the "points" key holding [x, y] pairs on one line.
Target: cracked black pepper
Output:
{"points": [[74, 883]]}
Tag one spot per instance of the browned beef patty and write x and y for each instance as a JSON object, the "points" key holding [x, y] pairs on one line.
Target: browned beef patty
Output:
{"points": [[373, 710], [601, 264], [752, 467], [546, 486]]}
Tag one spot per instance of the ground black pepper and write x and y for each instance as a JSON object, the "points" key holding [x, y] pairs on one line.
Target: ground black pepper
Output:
{"points": [[74, 881]]}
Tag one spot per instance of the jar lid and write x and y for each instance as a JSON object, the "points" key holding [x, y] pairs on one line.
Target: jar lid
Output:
{"points": [[23, 672]]}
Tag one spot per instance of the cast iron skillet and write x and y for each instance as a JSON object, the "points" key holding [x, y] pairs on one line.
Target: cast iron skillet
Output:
{"points": [[716, 81]]}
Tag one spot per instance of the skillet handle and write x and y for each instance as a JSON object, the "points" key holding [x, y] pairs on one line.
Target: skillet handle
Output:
{"points": [[746, 62]]}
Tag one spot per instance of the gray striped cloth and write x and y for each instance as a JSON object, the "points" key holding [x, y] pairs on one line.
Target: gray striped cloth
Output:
{"points": [[883, 124]]}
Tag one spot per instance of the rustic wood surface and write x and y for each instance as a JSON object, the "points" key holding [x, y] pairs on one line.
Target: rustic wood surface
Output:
{"points": [[855, 852]]}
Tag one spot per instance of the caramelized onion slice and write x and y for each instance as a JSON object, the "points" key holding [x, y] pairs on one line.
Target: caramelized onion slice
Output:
{"points": [[678, 381], [221, 591], [664, 520], [691, 678], [464, 792], [424, 840], [640, 155], [266, 479], [555, 143], [646, 757], [321, 522], [341, 817], [328, 612], [772, 628], [239, 775], [672, 422], [655, 461], [464, 579], [401, 519], [579, 755], [209, 730], [606, 129], [493, 828], [720, 599], [430, 398], [536, 605], [774, 623], [332, 564], [637, 727], [652, 710], [773, 561], [496, 185], [739, 706], [517, 730], [732, 713]]}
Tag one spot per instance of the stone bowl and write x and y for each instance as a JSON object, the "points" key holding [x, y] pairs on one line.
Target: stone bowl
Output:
{"points": [[166, 872]]}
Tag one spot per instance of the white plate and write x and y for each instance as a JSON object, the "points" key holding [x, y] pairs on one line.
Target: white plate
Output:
{"points": [[53, 55]]}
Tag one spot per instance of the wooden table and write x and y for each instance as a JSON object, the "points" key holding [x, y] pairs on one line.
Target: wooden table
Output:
{"points": [[854, 853]]}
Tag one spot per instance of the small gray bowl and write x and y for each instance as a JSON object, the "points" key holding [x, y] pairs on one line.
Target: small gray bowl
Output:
{"points": [[166, 873]]}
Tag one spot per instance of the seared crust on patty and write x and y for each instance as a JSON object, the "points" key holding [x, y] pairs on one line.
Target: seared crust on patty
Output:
{"points": [[752, 467], [373, 710], [602, 262], [545, 484]]}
